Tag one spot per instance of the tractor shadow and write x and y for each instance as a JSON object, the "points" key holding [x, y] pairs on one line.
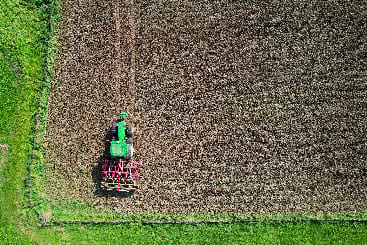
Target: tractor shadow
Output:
{"points": [[97, 173]]}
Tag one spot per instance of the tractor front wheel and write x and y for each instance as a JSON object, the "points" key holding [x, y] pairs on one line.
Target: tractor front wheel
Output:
{"points": [[129, 131]]}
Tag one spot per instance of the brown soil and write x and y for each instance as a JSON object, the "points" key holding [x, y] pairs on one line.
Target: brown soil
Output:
{"points": [[4, 147], [238, 107]]}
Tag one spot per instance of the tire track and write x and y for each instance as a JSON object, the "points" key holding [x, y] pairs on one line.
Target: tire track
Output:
{"points": [[132, 46], [118, 69]]}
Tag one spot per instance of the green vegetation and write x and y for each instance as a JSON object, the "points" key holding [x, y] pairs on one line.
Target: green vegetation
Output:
{"points": [[73, 211], [303, 233], [25, 62], [22, 40]]}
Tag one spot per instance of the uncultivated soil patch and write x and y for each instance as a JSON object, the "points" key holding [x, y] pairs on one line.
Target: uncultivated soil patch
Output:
{"points": [[239, 107], [3, 154]]}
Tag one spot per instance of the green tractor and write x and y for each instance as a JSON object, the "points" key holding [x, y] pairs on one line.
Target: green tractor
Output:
{"points": [[122, 139], [119, 171]]}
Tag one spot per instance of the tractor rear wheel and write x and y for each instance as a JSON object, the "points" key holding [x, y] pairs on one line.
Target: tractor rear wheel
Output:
{"points": [[129, 131], [130, 152], [114, 134]]}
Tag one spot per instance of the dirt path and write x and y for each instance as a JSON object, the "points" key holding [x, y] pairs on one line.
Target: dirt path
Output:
{"points": [[241, 107]]}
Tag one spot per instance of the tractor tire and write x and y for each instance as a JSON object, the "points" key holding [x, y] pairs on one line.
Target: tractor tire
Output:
{"points": [[129, 141], [130, 152], [114, 131], [129, 131]]}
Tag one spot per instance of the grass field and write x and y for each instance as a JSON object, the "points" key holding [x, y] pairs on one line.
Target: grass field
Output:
{"points": [[24, 39], [22, 47]]}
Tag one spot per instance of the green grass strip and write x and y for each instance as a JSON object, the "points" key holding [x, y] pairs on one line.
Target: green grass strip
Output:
{"points": [[36, 166], [22, 34], [76, 212], [303, 233]]}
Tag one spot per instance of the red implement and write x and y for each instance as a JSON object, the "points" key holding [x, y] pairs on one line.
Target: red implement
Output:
{"points": [[120, 175]]}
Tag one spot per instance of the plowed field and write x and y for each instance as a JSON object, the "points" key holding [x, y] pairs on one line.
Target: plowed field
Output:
{"points": [[239, 107]]}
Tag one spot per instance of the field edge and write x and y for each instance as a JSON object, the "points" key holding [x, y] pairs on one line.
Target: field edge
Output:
{"points": [[68, 211], [36, 163]]}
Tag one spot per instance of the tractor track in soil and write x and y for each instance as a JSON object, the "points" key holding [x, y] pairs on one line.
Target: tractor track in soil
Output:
{"points": [[240, 108], [118, 68], [132, 75]]}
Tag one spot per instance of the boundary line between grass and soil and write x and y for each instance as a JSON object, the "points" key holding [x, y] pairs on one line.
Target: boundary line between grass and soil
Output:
{"points": [[36, 164], [207, 222]]}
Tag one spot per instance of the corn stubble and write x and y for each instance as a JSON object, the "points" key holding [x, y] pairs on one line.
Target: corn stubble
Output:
{"points": [[239, 107]]}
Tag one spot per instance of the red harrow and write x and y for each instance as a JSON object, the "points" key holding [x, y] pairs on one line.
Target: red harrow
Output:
{"points": [[120, 175]]}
